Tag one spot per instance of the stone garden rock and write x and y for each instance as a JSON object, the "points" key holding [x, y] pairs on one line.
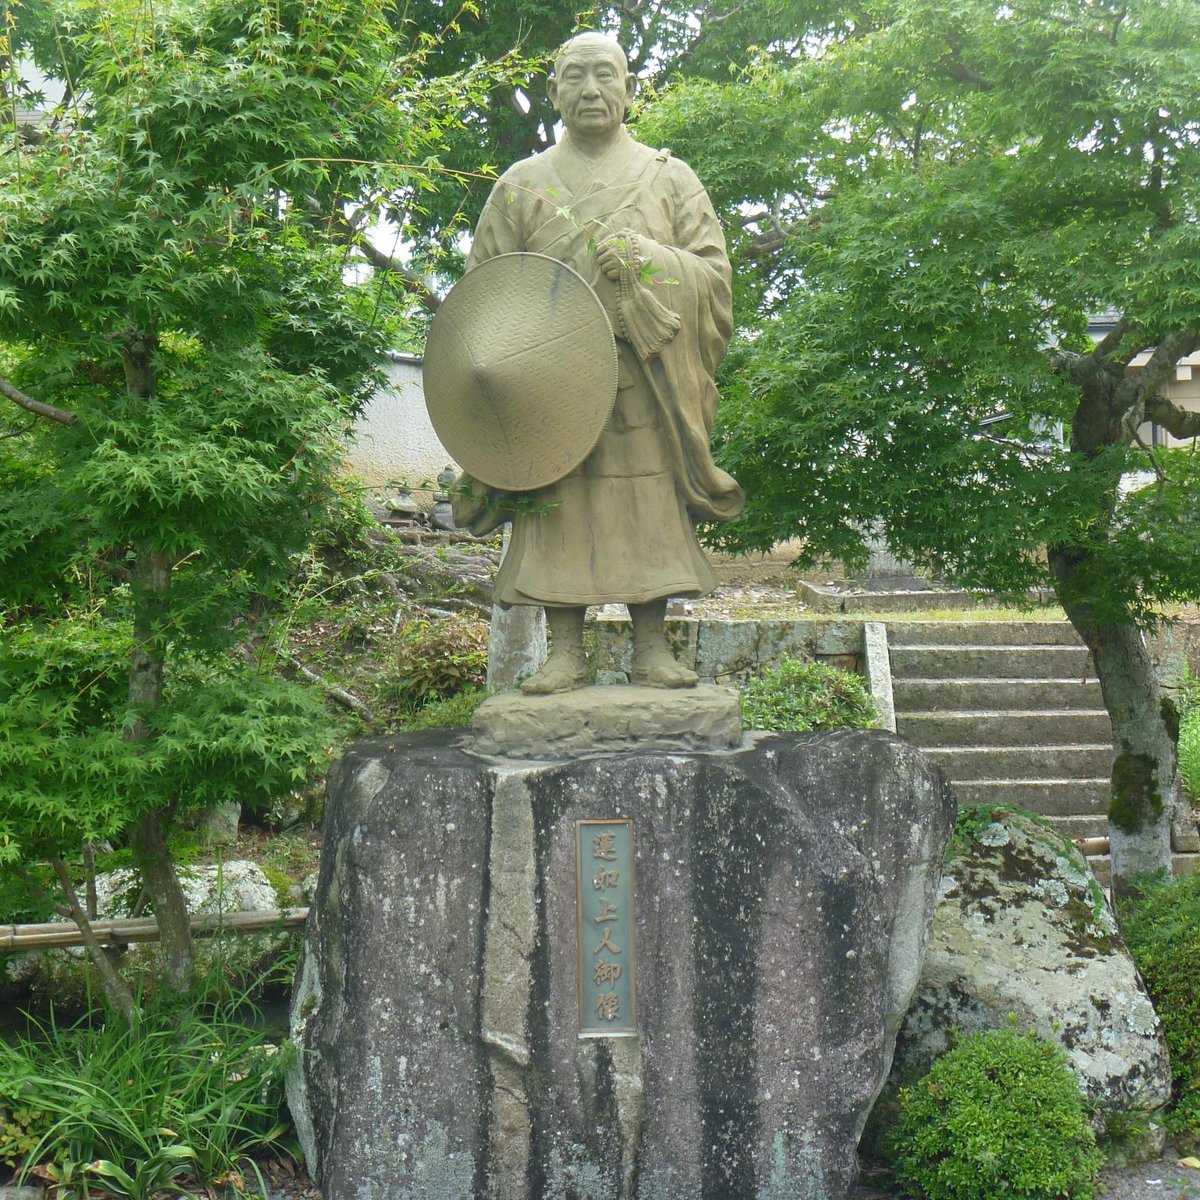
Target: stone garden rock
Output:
{"points": [[65, 975], [783, 895], [1022, 931]]}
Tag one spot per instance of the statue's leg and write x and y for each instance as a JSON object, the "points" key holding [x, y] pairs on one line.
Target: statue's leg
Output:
{"points": [[653, 662], [566, 664]]}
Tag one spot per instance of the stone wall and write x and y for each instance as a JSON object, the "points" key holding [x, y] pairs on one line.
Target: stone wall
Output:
{"points": [[725, 651]]}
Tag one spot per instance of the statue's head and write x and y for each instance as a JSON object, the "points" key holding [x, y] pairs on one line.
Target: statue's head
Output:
{"points": [[591, 86]]}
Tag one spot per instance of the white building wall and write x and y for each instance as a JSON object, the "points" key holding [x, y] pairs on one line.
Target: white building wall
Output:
{"points": [[393, 439]]}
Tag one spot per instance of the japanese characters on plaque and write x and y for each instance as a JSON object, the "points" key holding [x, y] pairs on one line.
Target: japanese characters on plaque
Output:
{"points": [[605, 920]]}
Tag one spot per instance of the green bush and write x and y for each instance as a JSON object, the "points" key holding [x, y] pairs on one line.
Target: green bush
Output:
{"points": [[802, 697], [190, 1093], [436, 658], [1000, 1114], [453, 712], [1188, 700], [1189, 753], [1162, 931]]}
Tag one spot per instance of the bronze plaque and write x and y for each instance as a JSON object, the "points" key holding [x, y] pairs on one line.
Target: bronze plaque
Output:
{"points": [[604, 908]]}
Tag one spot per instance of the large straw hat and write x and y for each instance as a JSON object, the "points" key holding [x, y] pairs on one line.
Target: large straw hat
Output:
{"points": [[520, 371]]}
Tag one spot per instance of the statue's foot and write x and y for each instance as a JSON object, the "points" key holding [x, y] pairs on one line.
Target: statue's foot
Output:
{"points": [[559, 673], [659, 669]]}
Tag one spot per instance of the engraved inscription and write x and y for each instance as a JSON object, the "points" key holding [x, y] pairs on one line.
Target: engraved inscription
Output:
{"points": [[605, 928]]}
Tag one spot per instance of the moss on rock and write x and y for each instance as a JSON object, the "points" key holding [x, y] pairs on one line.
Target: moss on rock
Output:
{"points": [[1136, 800]]}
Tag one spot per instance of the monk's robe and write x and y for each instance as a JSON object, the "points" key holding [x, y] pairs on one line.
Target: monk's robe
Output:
{"points": [[619, 528]]}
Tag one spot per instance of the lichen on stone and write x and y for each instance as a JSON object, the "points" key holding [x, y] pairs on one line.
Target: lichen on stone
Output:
{"points": [[994, 834], [1053, 891], [574, 1176]]}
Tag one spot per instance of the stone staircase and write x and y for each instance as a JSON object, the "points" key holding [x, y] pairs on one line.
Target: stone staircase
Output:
{"points": [[1012, 713]]}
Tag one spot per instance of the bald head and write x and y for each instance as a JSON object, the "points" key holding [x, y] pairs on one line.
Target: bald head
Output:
{"points": [[591, 88], [590, 43]]}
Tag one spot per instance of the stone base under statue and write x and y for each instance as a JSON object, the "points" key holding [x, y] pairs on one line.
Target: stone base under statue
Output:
{"points": [[783, 898], [607, 720]]}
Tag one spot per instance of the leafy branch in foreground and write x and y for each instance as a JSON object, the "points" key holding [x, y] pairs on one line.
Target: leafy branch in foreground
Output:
{"points": [[951, 199]]}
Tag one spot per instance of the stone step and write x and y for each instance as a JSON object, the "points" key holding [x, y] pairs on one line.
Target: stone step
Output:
{"points": [[1004, 727], [959, 695], [1008, 661], [981, 633], [1080, 826], [1050, 797], [1181, 864], [968, 763]]}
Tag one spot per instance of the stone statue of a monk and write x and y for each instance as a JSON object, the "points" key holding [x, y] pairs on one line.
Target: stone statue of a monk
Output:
{"points": [[638, 226]]}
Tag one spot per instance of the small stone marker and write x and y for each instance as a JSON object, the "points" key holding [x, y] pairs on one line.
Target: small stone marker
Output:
{"points": [[604, 917]]}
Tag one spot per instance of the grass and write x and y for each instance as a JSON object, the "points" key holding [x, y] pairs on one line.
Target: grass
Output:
{"points": [[186, 1100]]}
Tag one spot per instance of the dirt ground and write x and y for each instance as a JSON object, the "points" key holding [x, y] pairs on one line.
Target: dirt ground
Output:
{"points": [[1162, 1179]]}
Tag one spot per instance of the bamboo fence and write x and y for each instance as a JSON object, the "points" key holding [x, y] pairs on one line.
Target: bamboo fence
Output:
{"points": [[122, 932]]}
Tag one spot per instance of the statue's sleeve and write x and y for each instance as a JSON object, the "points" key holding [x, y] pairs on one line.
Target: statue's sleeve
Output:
{"points": [[500, 225], [694, 279]]}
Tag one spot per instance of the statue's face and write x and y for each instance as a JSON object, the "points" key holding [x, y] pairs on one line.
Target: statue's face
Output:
{"points": [[591, 87]]}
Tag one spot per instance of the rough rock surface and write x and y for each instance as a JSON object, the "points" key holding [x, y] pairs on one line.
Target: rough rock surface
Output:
{"points": [[1022, 928], [237, 886], [783, 896], [606, 720]]}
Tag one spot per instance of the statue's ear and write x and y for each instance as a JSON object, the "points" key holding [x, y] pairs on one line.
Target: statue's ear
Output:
{"points": [[630, 88], [552, 92]]}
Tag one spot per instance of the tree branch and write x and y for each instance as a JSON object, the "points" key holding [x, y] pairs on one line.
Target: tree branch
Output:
{"points": [[1177, 421], [1170, 349], [958, 70], [1066, 362], [1108, 344], [412, 283], [343, 697], [119, 996], [40, 892], [351, 234], [16, 433], [36, 406], [766, 244]]}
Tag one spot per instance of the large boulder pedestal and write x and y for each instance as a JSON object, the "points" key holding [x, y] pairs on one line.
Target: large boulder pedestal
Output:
{"points": [[784, 892]]}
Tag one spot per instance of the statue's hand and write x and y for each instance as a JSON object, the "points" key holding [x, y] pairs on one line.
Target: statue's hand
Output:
{"points": [[619, 252]]}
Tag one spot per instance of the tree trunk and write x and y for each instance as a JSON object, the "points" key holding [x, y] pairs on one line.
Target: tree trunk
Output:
{"points": [[111, 984], [157, 870], [151, 614], [1145, 769]]}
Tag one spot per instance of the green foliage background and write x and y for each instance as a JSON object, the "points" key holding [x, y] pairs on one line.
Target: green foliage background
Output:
{"points": [[926, 209]]}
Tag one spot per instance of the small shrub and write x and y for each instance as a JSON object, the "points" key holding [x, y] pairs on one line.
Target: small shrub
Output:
{"points": [[1000, 1114], [436, 658], [1162, 931], [453, 712], [802, 697], [1187, 700], [190, 1092], [1189, 753]]}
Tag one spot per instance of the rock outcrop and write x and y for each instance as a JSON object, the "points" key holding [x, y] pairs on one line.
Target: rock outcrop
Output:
{"points": [[70, 978], [783, 897], [1022, 931]]}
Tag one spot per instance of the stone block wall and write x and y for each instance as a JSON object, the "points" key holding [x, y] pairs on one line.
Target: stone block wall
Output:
{"points": [[723, 651]]}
